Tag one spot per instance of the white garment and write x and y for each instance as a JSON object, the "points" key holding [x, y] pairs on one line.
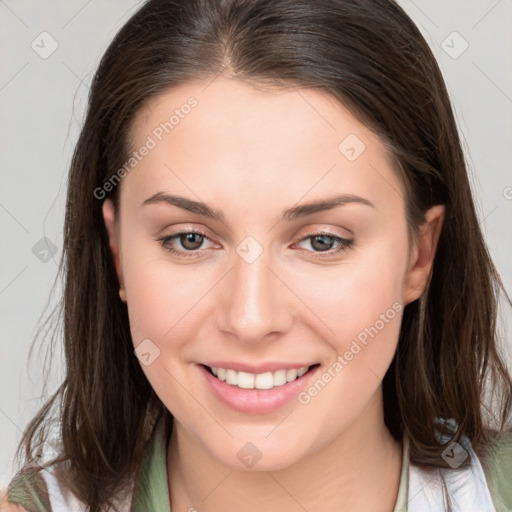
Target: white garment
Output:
{"points": [[447, 489], [61, 499]]}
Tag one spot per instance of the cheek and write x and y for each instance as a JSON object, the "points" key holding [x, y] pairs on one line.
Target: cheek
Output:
{"points": [[362, 307], [353, 297], [164, 306], [162, 298], [362, 304]]}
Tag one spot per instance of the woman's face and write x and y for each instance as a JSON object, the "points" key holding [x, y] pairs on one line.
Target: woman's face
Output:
{"points": [[270, 285]]}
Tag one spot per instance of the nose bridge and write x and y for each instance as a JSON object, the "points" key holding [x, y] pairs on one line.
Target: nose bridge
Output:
{"points": [[252, 305]]}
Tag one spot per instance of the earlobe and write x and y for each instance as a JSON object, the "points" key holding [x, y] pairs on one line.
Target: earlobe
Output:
{"points": [[423, 254], [109, 217]]}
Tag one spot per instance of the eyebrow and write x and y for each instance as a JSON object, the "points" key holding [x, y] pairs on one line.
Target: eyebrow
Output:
{"points": [[301, 210]]}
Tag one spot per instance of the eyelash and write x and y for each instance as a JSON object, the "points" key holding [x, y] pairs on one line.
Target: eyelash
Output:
{"points": [[345, 243]]}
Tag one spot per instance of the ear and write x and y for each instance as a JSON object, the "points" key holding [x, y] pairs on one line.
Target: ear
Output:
{"points": [[109, 217], [423, 252]]}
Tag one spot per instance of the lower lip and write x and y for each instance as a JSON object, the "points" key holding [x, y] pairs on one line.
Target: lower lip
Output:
{"points": [[256, 401]]}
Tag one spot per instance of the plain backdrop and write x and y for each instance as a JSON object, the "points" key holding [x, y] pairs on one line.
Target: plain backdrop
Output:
{"points": [[49, 51]]}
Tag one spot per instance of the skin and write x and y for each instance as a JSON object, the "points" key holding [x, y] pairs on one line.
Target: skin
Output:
{"points": [[253, 153]]}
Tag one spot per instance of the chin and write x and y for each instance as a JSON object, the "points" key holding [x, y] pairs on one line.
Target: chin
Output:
{"points": [[257, 455]]}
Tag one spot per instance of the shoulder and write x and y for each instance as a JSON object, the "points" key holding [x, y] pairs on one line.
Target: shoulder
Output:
{"points": [[9, 507], [27, 492], [497, 466], [5, 506]]}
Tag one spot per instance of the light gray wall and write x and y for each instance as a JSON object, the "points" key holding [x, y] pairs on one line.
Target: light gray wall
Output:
{"points": [[42, 100]]}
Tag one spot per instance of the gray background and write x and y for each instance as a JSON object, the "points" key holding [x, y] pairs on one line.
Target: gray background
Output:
{"points": [[42, 101]]}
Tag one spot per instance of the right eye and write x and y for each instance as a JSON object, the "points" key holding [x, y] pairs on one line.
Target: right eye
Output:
{"points": [[189, 240]]}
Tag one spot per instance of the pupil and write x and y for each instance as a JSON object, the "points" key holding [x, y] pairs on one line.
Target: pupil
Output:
{"points": [[189, 239], [322, 238]]}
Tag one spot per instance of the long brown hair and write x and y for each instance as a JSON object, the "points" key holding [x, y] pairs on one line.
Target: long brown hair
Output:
{"points": [[371, 57]]}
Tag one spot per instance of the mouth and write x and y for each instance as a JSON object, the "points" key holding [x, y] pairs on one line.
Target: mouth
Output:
{"points": [[262, 381], [256, 393]]}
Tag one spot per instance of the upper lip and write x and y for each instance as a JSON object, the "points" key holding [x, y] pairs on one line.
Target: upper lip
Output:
{"points": [[270, 366]]}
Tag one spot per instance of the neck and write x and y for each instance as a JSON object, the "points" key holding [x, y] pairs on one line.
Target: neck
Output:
{"points": [[357, 471]]}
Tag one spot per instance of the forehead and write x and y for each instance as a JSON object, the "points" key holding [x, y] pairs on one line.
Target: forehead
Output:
{"points": [[226, 136]]}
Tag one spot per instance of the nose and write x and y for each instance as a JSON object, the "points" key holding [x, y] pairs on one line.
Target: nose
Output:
{"points": [[253, 302]]}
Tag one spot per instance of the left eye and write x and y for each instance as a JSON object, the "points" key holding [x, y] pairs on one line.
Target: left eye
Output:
{"points": [[191, 241], [323, 239]]}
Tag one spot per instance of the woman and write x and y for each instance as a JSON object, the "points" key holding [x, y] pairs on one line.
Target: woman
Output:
{"points": [[277, 292]]}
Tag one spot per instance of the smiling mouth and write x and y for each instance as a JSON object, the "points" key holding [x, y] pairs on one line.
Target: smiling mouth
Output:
{"points": [[267, 380]]}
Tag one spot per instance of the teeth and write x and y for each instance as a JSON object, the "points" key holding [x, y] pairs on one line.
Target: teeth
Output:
{"points": [[302, 371], [245, 380], [267, 380], [291, 375]]}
